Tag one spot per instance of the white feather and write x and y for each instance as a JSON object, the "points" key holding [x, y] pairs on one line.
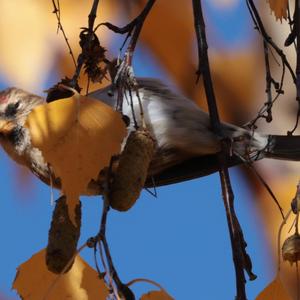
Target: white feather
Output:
{"points": [[177, 122]]}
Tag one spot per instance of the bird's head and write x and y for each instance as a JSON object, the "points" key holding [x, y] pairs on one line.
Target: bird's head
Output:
{"points": [[15, 105]]}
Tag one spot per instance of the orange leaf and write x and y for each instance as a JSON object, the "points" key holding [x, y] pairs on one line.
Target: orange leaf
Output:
{"points": [[156, 295], [164, 40], [279, 7], [33, 281], [274, 291], [36, 57], [78, 137]]}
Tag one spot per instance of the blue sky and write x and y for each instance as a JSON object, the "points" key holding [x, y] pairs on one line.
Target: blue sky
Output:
{"points": [[179, 239]]}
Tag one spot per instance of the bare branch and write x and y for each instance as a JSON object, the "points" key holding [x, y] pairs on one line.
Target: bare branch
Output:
{"points": [[240, 257], [203, 67], [260, 27], [268, 83], [114, 282], [266, 111], [133, 28]]}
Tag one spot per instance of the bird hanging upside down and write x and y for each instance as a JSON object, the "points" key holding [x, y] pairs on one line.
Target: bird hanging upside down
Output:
{"points": [[186, 145]]}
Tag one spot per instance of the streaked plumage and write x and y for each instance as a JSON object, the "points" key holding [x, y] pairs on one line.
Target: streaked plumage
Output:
{"points": [[186, 145]]}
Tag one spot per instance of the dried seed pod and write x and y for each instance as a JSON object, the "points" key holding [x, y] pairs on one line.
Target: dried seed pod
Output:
{"points": [[63, 237], [131, 173], [291, 248]]}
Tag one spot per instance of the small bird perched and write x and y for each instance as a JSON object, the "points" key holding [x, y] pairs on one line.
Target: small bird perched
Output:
{"points": [[186, 144]]}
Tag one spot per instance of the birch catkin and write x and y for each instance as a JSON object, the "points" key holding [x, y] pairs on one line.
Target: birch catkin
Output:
{"points": [[63, 237], [131, 173]]}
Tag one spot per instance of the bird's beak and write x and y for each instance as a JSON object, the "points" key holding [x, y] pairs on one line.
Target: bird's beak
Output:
{"points": [[6, 127]]}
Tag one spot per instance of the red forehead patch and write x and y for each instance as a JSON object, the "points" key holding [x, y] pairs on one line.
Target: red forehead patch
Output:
{"points": [[3, 99]]}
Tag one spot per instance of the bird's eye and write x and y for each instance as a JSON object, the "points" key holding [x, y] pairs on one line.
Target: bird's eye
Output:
{"points": [[11, 109]]}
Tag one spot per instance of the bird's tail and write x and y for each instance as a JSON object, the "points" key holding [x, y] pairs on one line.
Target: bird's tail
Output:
{"points": [[252, 146], [269, 146], [283, 147]]}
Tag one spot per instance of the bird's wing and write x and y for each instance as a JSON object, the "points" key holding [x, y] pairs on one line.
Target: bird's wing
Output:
{"points": [[173, 164], [176, 171]]}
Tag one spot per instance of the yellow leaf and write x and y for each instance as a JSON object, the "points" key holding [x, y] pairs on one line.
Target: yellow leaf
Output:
{"points": [[279, 7], [77, 136], [288, 276], [156, 295], [33, 281], [284, 184], [35, 30], [162, 43], [274, 291]]}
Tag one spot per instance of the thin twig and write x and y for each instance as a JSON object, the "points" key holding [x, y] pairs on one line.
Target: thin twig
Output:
{"points": [[291, 22], [266, 106], [292, 225], [268, 83], [102, 235], [266, 111], [261, 28], [297, 30], [269, 190], [297, 27], [279, 238], [236, 244], [110, 284], [297, 121], [56, 11], [133, 281], [132, 29], [236, 236], [248, 164], [114, 284], [203, 67], [100, 274], [138, 27]]}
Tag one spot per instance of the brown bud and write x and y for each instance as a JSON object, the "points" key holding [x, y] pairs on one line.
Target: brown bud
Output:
{"points": [[131, 173], [63, 237], [296, 201], [291, 248]]}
